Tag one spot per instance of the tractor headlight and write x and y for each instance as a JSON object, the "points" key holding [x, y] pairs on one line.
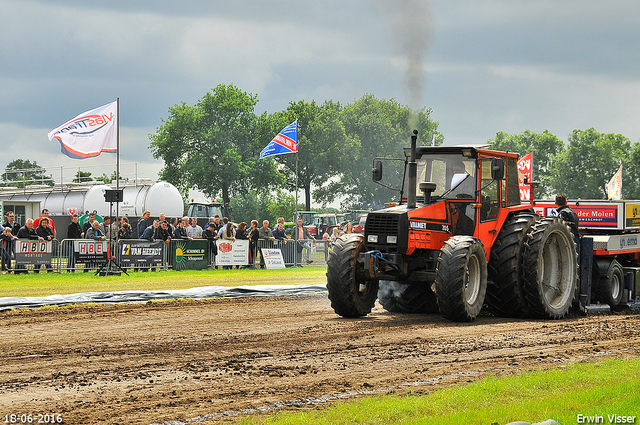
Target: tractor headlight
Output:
{"points": [[392, 239], [372, 238]]}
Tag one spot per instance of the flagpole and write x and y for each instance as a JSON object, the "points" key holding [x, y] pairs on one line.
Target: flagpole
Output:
{"points": [[117, 158], [297, 149], [117, 144]]}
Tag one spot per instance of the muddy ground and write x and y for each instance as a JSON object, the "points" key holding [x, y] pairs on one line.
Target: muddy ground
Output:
{"points": [[159, 362]]}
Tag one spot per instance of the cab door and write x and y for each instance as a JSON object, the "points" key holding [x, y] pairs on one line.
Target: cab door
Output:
{"points": [[490, 198]]}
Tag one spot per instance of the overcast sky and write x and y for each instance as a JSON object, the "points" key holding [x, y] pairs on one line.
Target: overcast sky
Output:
{"points": [[482, 66]]}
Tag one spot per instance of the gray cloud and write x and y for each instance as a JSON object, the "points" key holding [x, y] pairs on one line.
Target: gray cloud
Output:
{"points": [[482, 66]]}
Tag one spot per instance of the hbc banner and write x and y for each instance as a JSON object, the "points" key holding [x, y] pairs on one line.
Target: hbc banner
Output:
{"points": [[33, 251]]}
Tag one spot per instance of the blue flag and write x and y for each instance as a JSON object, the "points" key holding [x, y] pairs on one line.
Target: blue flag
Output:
{"points": [[285, 142]]}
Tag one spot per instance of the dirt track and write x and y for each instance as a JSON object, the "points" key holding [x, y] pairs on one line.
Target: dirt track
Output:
{"points": [[144, 364]]}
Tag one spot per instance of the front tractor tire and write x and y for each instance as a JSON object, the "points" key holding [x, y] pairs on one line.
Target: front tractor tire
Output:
{"points": [[350, 294], [461, 278], [550, 269]]}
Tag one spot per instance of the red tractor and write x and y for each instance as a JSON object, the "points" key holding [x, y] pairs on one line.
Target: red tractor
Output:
{"points": [[458, 239]]}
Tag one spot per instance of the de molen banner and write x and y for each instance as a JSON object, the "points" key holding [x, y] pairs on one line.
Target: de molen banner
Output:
{"points": [[590, 215], [190, 255], [137, 253], [88, 251], [33, 252], [232, 253]]}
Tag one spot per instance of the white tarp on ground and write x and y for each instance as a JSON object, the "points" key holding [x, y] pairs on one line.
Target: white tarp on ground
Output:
{"points": [[203, 292]]}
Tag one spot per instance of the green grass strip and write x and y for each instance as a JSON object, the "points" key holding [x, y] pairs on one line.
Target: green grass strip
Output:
{"points": [[593, 390], [44, 284]]}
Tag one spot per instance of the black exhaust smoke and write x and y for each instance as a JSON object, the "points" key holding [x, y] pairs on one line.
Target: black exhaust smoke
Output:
{"points": [[413, 172]]}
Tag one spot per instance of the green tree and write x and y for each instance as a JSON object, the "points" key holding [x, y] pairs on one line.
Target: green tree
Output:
{"points": [[322, 146], [214, 145], [104, 178], [379, 128], [21, 173], [590, 160], [82, 176], [631, 174], [545, 146]]}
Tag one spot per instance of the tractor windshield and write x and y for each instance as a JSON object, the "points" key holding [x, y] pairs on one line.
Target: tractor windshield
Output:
{"points": [[454, 176]]}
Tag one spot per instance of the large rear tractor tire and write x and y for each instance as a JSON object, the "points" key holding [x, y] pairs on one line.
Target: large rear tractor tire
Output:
{"points": [[461, 278], [413, 298], [350, 294], [505, 294], [610, 286], [550, 269]]}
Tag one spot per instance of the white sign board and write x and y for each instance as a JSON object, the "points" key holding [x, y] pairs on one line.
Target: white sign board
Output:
{"points": [[232, 253], [272, 258]]}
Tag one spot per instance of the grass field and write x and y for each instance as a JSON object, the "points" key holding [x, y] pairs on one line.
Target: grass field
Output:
{"points": [[593, 390], [44, 284]]}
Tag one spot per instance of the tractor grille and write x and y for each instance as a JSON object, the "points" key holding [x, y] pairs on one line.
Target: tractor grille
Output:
{"points": [[382, 225]]}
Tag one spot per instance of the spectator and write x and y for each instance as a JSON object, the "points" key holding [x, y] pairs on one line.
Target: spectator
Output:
{"points": [[142, 223], [210, 233], [228, 232], [8, 240], [125, 231], [348, 229], [265, 233], [27, 232], [88, 224], [149, 232], [194, 231], [278, 232], [44, 231], [280, 220], [180, 232], [45, 213], [334, 235], [95, 233], [173, 223], [5, 232], [241, 231], [254, 235], [302, 236], [74, 231], [162, 232]]}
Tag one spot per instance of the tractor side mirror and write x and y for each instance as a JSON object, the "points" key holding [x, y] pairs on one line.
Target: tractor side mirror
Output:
{"points": [[377, 170], [497, 168]]}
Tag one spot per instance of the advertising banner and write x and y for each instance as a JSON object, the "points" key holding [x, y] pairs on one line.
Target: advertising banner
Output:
{"points": [[599, 216], [190, 255], [33, 252], [632, 217], [525, 170], [273, 258], [136, 253], [88, 251], [232, 253]]}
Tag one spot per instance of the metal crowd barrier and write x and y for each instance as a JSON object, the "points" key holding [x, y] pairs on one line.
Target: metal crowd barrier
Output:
{"points": [[294, 253]]}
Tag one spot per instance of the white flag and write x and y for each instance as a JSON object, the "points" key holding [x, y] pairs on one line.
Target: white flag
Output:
{"points": [[614, 187], [89, 134]]}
